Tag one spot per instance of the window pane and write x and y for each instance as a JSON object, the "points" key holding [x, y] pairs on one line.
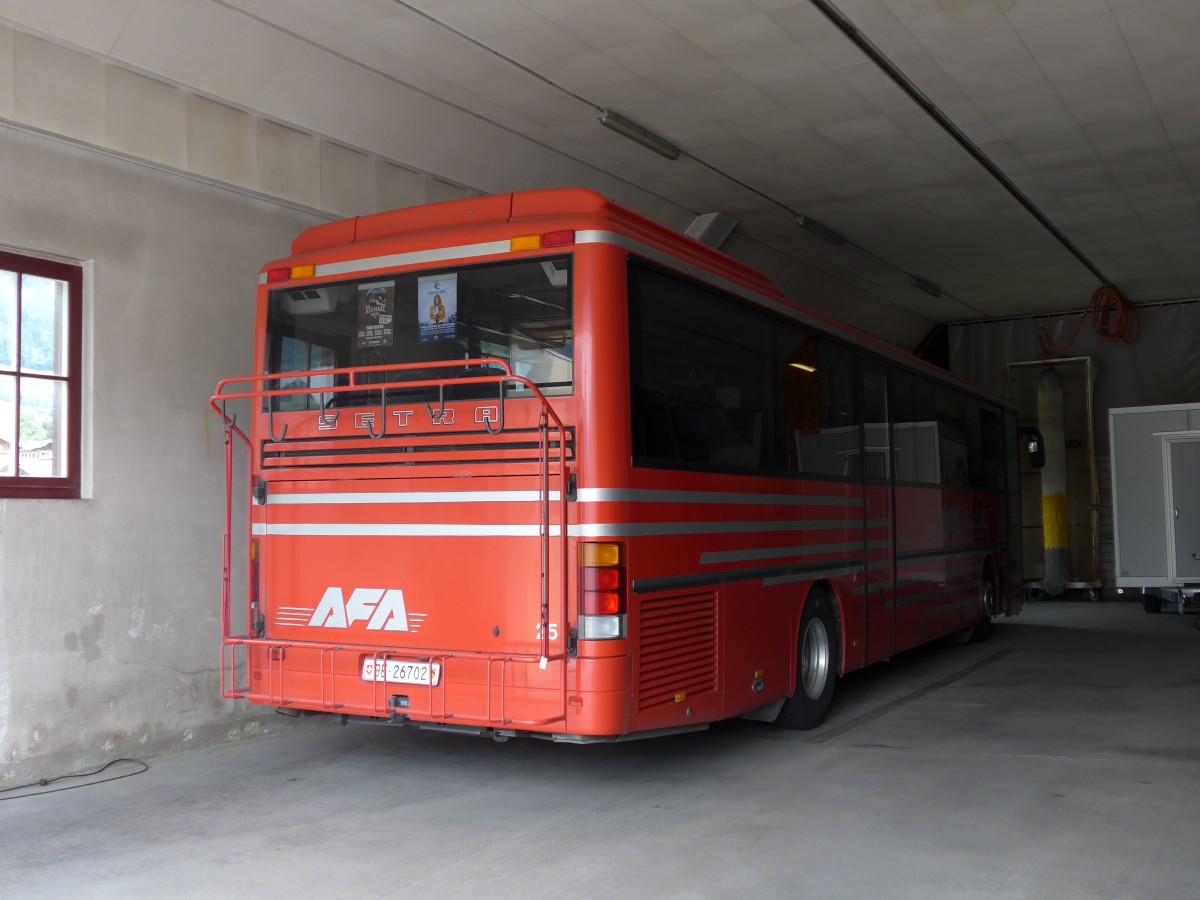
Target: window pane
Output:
{"points": [[8, 321], [817, 381], [300, 356], [876, 454], [293, 357], [916, 449], [515, 311], [987, 450], [43, 325], [322, 358], [39, 388], [904, 450], [8, 424], [700, 375], [43, 428], [952, 437]]}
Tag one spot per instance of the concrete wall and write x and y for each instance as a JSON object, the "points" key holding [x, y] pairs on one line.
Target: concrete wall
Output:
{"points": [[108, 605], [109, 634]]}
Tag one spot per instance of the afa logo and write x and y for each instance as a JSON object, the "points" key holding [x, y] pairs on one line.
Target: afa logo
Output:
{"points": [[382, 610]]}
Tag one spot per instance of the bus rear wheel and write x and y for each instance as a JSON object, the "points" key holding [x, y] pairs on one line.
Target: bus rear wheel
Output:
{"points": [[987, 608], [973, 634], [979, 631], [816, 667]]}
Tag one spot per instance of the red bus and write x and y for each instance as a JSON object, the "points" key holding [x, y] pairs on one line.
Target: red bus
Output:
{"points": [[534, 464]]}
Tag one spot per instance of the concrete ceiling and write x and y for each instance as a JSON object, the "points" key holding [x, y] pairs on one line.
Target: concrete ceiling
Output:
{"points": [[1016, 153]]}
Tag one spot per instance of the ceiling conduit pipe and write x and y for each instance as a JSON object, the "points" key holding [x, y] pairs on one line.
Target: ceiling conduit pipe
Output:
{"points": [[860, 40]]}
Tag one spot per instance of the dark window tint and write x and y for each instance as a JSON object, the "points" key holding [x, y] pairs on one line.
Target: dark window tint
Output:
{"points": [[876, 454], [915, 445], [700, 375], [817, 386], [517, 311]]}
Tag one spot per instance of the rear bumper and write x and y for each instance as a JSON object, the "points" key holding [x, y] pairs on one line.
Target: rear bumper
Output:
{"points": [[473, 691]]}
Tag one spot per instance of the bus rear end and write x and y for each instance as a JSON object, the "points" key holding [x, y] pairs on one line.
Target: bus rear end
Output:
{"points": [[411, 459], [425, 598]]}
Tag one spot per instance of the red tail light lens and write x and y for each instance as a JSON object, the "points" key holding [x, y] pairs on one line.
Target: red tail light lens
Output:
{"points": [[602, 591]]}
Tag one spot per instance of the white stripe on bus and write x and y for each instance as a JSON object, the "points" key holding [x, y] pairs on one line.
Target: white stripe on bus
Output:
{"points": [[586, 495], [628, 529], [409, 497], [414, 258], [620, 495], [351, 529]]}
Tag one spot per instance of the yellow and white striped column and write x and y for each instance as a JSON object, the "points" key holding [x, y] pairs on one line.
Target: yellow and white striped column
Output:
{"points": [[1055, 531]]}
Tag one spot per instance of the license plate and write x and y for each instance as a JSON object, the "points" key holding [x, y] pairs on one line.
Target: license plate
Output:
{"points": [[399, 671]]}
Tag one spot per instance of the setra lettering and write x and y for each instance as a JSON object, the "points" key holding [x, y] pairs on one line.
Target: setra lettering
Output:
{"points": [[382, 610]]}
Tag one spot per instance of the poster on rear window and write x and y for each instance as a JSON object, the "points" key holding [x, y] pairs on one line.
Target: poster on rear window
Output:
{"points": [[376, 304], [437, 307]]}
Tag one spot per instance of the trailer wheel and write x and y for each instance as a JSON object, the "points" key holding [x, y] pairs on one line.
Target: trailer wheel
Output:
{"points": [[816, 666], [1152, 604]]}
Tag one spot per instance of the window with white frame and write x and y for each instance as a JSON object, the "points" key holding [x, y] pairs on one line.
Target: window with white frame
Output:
{"points": [[41, 343]]}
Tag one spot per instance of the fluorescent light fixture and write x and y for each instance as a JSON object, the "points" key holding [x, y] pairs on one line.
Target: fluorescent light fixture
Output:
{"points": [[824, 232], [924, 284], [802, 367], [638, 134]]}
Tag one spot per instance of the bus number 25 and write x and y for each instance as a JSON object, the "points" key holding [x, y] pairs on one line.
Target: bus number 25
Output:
{"points": [[553, 629]]}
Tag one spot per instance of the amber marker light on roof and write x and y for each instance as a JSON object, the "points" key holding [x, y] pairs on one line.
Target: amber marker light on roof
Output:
{"points": [[526, 242], [291, 273], [540, 241]]}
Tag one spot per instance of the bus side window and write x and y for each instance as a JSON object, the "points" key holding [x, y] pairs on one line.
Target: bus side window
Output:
{"points": [[819, 416], [653, 436], [699, 374], [987, 450], [953, 446], [875, 462]]}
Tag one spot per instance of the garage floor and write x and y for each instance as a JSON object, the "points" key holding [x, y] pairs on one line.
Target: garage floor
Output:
{"points": [[1061, 759]]}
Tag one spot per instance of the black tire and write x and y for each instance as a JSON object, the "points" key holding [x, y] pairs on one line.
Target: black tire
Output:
{"points": [[817, 652], [1152, 605], [987, 609]]}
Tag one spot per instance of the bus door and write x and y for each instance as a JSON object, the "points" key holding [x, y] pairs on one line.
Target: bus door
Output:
{"points": [[879, 512]]}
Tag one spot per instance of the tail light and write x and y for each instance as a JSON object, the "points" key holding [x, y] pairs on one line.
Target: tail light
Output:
{"points": [[540, 241], [290, 273], [602, 592]]}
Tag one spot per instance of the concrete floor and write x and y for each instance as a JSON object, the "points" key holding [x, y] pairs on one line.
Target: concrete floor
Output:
{"points": [[1061, 759]]}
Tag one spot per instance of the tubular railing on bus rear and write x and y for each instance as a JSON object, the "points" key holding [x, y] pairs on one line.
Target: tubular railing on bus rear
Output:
{"points": [[548, 420]]}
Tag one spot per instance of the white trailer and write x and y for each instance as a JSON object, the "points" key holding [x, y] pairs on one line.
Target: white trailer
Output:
{"points": [[1156, 501]]}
